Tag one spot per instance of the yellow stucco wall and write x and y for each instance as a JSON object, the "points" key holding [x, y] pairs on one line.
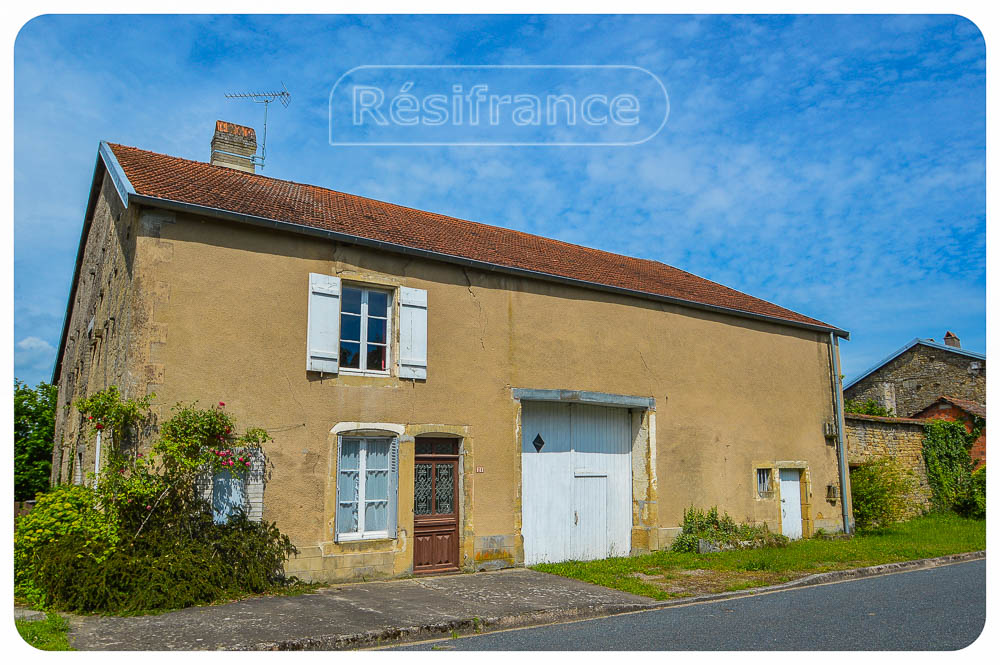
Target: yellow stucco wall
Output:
{"points": [[730, 392]]}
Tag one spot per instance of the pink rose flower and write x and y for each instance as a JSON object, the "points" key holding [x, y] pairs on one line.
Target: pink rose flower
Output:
{"points": [[222, 403]]}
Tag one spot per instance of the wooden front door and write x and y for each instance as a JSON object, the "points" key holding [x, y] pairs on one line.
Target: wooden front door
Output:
{"points": [[435, 506]]}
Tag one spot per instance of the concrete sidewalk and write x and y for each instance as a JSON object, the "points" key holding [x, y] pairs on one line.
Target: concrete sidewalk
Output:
{"points": [[361, 615], [354, 616]]}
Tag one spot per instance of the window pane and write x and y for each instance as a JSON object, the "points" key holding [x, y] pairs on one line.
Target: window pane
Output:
{"points": [[446, 447], [378, 303], [376, 331], [347, 518], [347, 486], [378, 455], [350, 354], [349, 454], [350, 327], [423, 447], [377, 485], [422, 489], [444, 489], [351, 300], [375, 516], [376, 357]]}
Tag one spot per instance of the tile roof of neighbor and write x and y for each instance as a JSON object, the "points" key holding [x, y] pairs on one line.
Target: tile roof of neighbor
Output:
{"points": [[974, 408], [185, 181]]}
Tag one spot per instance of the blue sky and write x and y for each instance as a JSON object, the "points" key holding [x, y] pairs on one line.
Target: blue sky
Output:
{"points": [[832, 164]]}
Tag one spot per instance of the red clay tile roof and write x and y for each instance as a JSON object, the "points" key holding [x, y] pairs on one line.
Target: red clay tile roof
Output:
{"points": [[966, 405], [885, 419], [175, 179]]}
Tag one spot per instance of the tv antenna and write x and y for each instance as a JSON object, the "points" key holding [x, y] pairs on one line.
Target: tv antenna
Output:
{"points": [[264, 98]]}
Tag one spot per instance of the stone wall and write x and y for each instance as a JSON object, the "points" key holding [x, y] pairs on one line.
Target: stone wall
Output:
{"points": [[909, 383], [101, 340], [869, 437]]}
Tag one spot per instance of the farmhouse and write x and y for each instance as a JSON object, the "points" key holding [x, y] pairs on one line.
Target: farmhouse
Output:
{"points": [[912, 378], [442, 394]]}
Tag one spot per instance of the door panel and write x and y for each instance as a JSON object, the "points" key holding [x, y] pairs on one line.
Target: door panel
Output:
{"points": [[791, 503], [435, 507]]}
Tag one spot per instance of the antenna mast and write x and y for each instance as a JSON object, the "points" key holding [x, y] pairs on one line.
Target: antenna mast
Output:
{"points": [[264, 98]]}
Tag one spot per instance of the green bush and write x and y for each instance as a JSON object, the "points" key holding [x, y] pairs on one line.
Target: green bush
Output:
{"points": [[144, 540], [971, 501], [165, 569], [879, 493], [868, 407], [724, 531], [64, 511]]}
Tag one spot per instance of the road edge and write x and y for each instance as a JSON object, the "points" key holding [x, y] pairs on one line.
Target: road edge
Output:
{"points": [[477, 625]]}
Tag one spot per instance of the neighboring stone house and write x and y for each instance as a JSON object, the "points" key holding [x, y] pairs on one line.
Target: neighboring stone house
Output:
{"points": [[964, 411], [913, 377], [442, 394]]}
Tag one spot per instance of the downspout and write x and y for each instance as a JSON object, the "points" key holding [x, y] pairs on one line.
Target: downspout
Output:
{"points": [[839, 414]]}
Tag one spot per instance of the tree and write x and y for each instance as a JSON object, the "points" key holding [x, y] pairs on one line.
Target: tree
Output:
{"points": [[34, 430]]}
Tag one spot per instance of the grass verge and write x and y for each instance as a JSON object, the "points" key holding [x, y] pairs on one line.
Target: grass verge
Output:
{"points": [[48, 634], [664, 575]]}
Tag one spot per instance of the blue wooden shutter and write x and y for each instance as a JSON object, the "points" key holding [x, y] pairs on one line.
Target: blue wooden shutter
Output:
{"points": [[228, 495], [336, 494], [324, 323], [393, 507], [412, 333]]}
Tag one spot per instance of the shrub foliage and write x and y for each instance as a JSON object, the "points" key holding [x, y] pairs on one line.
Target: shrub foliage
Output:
{"points": [[140, 538], [949, 465], [868, 407], [880, 489], [971, 500], [724, 531]]}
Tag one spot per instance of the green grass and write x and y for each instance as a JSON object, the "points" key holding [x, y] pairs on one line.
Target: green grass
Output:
{"points": [[666, 574], [48, 634]]}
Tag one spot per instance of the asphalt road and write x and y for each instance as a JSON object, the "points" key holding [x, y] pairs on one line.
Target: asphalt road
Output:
{"points": [[936, 609]]}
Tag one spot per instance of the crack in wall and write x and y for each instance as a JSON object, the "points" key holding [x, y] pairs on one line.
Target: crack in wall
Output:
{"points": [[479, 306]]}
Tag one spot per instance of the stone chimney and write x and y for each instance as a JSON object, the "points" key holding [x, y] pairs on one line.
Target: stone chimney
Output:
{"points": [[951, 340], [234, 146]]}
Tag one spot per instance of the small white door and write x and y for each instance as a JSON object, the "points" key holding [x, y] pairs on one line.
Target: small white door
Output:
{"points": [[590, 517], [791, 503]]}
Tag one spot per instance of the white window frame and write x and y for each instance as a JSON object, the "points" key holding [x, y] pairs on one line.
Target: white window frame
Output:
{"points": [[361, 534], [767, 492], [362, 370]]}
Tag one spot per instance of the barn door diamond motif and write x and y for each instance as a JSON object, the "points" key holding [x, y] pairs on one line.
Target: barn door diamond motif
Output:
{"points": [[538, 443]]}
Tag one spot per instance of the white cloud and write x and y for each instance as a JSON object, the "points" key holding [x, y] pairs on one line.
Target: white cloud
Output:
{"points": [[33, 360]]}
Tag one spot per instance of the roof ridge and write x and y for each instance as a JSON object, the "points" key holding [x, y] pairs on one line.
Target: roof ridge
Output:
{"points": [[403, 207]]}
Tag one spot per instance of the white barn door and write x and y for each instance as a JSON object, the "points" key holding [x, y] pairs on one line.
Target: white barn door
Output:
{"points": [[576, 481]]}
